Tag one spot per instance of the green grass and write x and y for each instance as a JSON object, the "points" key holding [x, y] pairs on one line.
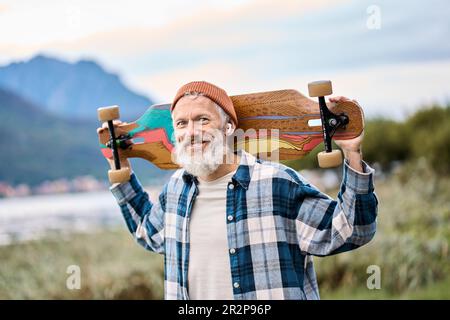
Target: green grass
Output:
{"points": [[112, 267], [410, 247], [435, 291]]}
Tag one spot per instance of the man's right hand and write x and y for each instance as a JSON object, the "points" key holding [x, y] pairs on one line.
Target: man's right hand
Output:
{"points": [[123, 161]]}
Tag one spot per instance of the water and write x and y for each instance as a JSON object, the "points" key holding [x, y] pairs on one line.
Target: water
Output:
{"points": [[29, 218]]}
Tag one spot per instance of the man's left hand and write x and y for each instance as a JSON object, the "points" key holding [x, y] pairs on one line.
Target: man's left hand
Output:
{"points": [[351, 148]]}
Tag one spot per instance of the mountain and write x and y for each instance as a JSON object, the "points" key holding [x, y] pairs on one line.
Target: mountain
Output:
{"points": [[71, 90], [37, 145]]}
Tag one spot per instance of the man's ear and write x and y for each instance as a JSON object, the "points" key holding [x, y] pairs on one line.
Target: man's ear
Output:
{"points": [[230, 129]]}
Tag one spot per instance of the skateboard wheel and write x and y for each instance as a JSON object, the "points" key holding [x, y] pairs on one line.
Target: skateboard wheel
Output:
{"points": [[119, 176], [320, 88], [108, 113], [329, 159]]}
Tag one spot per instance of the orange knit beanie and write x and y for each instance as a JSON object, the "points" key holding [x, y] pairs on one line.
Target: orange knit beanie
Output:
{"points": [[211, 91]]}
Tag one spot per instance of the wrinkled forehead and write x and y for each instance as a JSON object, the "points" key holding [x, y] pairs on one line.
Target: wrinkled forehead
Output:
{"points": [[192, 105]]}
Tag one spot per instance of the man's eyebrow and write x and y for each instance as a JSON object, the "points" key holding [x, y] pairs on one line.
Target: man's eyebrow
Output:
{"points": [[195, 117]]}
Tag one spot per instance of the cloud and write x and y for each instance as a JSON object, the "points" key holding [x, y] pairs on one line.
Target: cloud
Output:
{"points": [[232, 76], [197, 34], [3, 8], [267, 45], [390, 91], [393, 91], [287, 37]]}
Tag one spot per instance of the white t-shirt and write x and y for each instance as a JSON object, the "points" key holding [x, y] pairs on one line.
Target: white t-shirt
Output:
{"points": [[209, 273]]}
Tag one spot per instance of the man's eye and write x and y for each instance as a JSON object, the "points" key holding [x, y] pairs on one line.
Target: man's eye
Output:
{"points": [[203, 119], [180, 123]]}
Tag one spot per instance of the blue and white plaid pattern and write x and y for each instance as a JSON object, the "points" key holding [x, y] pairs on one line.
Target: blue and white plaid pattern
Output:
{"points": [[275, 221]]}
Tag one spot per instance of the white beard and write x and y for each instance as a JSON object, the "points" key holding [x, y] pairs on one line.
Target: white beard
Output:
{"points": [[198, 162]]}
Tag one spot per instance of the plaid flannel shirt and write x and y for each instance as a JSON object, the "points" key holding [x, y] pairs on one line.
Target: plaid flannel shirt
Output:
{"points": [[275, 221]]}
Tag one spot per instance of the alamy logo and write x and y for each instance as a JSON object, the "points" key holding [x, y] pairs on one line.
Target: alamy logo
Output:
{"points": [[374, 280], [374, 20], [73, 281]]}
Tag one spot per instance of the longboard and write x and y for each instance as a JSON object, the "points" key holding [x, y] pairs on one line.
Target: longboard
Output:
{"points": [[296, 117]]}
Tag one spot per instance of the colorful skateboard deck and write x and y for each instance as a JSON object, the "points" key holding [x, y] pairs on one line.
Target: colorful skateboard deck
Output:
{"points": [[295, 118]]}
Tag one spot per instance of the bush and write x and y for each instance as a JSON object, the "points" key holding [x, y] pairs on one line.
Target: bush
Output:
{"points": [[429, 132], [385, 142], [411, 245]]}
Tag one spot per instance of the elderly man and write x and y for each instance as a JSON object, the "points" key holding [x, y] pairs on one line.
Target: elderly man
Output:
{"points": [[235, 227]]}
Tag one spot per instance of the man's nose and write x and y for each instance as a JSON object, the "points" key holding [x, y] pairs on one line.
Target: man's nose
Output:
{"points": [[193, 128]]}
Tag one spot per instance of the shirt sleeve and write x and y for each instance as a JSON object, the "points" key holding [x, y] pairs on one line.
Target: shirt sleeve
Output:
{"points": [[325, 226], [144, 219]]}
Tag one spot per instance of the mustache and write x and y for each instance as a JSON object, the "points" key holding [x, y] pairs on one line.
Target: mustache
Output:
{"points": [[196, 139]]}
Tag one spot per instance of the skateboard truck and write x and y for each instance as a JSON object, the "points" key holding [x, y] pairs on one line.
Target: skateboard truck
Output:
{"points": [[330, 123], [120, 141], [108, 114]]}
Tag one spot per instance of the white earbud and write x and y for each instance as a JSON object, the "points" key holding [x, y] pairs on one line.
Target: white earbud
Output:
{"points": [[229, 129]]}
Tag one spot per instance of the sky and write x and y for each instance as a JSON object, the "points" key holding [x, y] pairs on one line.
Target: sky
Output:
{"points": [[392, 56]]}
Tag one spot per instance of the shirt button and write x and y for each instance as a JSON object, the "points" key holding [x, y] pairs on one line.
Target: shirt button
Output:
{"points": [[236, 285], [231, 186], [232, 251], [230, 218]]}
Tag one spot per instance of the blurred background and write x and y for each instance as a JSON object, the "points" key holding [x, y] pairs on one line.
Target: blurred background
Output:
{"points": [[61, 60]]}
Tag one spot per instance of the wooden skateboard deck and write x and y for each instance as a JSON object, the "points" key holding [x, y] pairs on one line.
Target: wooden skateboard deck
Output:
{"points": [[296, 117]]}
